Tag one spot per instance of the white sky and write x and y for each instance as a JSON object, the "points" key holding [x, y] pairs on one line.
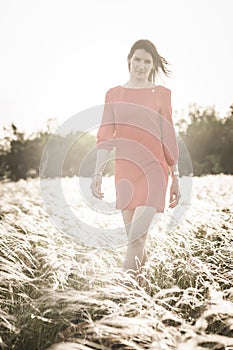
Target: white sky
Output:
{"points": [[59, 57]]}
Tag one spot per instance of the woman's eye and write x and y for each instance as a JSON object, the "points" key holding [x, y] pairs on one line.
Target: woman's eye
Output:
{"points": [[137, 59]]}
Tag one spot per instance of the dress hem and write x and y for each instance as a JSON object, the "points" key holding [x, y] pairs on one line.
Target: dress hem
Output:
{"points": [[158, 210]]}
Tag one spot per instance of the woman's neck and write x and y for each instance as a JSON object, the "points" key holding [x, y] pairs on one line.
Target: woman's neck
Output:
{"points": [[138, 83]]}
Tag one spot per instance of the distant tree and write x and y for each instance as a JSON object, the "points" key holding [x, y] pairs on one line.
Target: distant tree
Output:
{"points": [[209, 141], [19, 156], [227, 142], [14, 157]]}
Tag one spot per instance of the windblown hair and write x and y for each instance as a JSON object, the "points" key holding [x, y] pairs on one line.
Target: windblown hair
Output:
{"points": [[159, 62]]}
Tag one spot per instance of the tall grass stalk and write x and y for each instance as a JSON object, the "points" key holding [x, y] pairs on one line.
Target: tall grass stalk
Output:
{"points": [[58, 294]]}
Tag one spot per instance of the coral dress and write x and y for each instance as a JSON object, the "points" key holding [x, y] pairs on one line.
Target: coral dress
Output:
{"points": [[138, 123]]}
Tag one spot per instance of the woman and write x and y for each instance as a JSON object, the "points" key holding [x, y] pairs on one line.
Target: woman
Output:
{"points": [[137, 120]]}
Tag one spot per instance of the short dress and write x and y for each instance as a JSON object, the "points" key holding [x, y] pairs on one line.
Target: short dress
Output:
{"points": [[138, 123]]}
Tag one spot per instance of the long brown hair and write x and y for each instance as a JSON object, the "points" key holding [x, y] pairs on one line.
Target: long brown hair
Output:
{"points": [[159, 62]]}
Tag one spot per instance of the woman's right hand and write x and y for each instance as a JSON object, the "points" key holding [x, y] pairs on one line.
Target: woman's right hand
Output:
{"points": [[96, 186]]}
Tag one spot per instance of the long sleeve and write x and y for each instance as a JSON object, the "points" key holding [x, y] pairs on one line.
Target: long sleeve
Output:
{"points": [[170, 146], [106, 132]]}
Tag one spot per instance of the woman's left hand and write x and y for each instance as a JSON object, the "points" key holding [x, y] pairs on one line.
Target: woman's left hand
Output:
{"points": [[174, 192]]}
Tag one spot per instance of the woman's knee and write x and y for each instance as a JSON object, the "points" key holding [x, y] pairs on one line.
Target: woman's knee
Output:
{"points": [[137, 240]]}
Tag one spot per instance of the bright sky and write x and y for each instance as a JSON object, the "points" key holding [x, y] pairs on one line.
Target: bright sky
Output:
{"points": [[59, 57]]}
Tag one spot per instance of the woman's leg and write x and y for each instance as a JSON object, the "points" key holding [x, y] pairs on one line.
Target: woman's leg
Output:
{"points": [[127, 215], [137, 233]]}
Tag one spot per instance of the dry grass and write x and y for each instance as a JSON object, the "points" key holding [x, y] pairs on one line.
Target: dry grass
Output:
{"points": [[54, 290]]}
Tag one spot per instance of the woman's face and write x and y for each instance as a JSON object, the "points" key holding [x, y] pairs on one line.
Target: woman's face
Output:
{"points": [[141, 64]]}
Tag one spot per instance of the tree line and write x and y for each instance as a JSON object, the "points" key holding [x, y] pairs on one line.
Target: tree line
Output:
{"points": [[205, 147], [209, 140]]}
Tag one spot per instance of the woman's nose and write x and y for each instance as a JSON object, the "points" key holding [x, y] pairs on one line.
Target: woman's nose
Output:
{"points": [[141, 65]]}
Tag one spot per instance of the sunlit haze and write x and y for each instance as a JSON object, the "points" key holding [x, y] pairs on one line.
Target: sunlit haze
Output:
{"points": [[60, 57]]}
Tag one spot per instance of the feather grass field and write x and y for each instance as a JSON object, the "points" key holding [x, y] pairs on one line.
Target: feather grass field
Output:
{"points": [[59, 294]]}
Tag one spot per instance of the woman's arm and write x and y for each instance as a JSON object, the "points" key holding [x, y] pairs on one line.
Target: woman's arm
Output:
{"points": [[101, 160], [105, 144], [170, 145]]}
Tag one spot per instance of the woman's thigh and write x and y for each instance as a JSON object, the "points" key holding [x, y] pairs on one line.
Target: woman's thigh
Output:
{"points": [[141, 221], [127, 215]]}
